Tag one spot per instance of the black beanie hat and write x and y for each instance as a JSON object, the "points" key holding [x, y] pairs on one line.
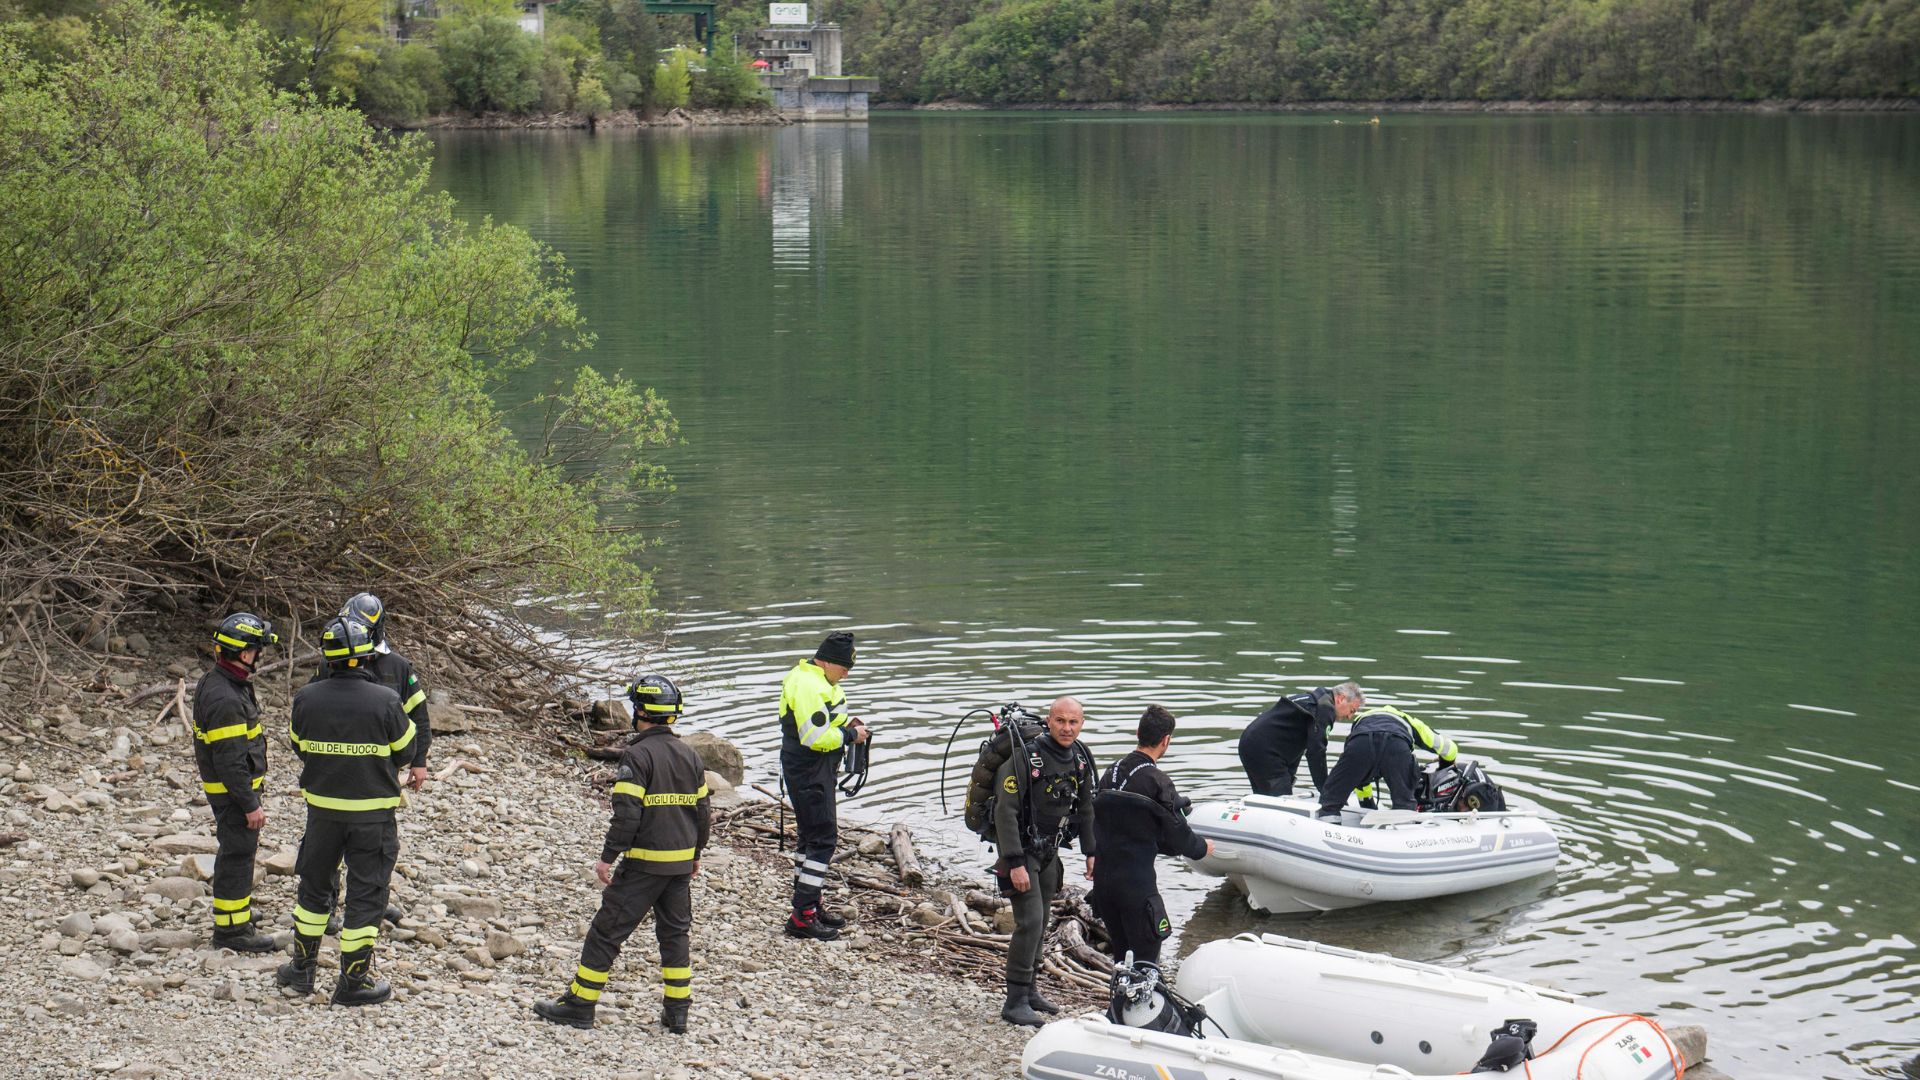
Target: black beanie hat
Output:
{"points": [[836, 649]]}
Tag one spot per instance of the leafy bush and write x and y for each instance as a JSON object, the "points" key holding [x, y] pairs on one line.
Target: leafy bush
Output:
{"points": [[592, 99], [246, 346], [405, 85], [727, 83], [671, 82], [490, 63]]}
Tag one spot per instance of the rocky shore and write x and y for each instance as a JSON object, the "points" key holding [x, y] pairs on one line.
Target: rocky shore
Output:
{"points": [[620, 118], [105, 847]]}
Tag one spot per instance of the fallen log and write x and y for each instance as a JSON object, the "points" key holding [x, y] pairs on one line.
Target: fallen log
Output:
{"points": [[1074, 943], [901, 840]]}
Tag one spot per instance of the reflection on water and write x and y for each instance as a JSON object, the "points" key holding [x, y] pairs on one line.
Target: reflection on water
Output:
{"points": [[1587, 439]]}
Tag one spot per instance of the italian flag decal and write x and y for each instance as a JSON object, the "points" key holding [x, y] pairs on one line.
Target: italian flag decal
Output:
{"points": [[1642, 1054]]}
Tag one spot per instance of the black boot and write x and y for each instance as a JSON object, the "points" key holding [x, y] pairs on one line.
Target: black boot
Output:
{"points": [[242, 938], [357, 986], [1039, 1003], [297, 973], [829, 919], [1016, 1010], [807, 924], [673, 1013], [566, 1009], [393, 914]]}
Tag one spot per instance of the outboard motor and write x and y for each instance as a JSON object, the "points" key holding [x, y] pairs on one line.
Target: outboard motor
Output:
{"points": [[1511, 1047], [1460, 788], [1142, 1000]]}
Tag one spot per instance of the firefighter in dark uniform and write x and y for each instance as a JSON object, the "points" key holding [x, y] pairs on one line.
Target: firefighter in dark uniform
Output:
{"points": [[230, 749], [348, 731], [660, 822], [814, 730], [1044, 801], [1381, 745], [1271, 746], [393, 671], [1137, 815]]}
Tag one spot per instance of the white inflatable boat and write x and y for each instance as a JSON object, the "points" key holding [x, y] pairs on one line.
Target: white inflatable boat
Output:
{"points": [[1273, 850], [1281, 1009]]}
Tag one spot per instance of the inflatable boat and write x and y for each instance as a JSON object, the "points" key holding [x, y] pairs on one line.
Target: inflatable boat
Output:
{"points": [[1274, 850], [1274, 1008]]}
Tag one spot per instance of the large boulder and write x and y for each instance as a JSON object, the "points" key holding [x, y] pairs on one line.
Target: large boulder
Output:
{"points": [[721, 793], [613, 714], [716, 754]]}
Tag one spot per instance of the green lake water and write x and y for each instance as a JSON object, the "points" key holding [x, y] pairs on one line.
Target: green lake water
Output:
{"points": [[1590, 440]]}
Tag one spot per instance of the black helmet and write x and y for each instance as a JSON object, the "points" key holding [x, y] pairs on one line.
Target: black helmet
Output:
{"points": [[346, 641], [655, 699], [368, 609], [243, 630]]}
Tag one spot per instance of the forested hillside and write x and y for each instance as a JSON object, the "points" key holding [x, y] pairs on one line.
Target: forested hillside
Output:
{"points": [[400, 60], [1281, 50]]}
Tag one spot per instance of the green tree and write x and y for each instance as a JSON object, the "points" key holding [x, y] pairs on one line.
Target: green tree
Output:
{"points": [[328, 43], [405, 85], [671, 83], [490, 63], [246, 345], [592, 99]]}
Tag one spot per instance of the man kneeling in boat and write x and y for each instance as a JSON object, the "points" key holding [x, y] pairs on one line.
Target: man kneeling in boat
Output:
{"points": [[1381, 745], [1296, 725]]}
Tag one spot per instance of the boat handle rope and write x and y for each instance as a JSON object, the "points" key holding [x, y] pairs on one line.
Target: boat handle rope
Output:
{"points": [[1673, 1059]]}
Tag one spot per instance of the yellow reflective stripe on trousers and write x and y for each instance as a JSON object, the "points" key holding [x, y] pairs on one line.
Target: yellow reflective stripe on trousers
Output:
{"points": [[671, 799], [327, 802], [650, 855], [215, 787], [355, 938], [236, 918], [411, 703], [674, 982], [231, 731], [588, 983], [628, 787], [309, 923], [232, 905]]}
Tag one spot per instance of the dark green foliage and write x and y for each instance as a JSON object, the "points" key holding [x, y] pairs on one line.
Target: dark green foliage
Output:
{"points": [[727, 82], [1289, 50], [490, 63], [246, 345], [405, 85]]}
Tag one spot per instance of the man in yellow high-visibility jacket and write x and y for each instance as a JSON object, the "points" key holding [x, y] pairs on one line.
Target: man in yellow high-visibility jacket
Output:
{"points": [[1381, 745], [815, 729]]}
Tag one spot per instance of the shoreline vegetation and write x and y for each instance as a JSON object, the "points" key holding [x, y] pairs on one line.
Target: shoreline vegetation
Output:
{"points": [[1545, 106], [619, 119], [250, 358]]}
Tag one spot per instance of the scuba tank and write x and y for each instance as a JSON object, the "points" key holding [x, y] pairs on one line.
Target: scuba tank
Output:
{"points": [[1142, 999]]}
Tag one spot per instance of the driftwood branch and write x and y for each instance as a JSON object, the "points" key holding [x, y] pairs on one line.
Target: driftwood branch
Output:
{"points": [[901, 841]]}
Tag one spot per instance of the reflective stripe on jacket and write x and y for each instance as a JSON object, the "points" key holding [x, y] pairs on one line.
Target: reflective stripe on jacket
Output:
{"points": [[660, 805], [1394, 722], [352, 736], [813, 711], [229, 747], [395, 672]]}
